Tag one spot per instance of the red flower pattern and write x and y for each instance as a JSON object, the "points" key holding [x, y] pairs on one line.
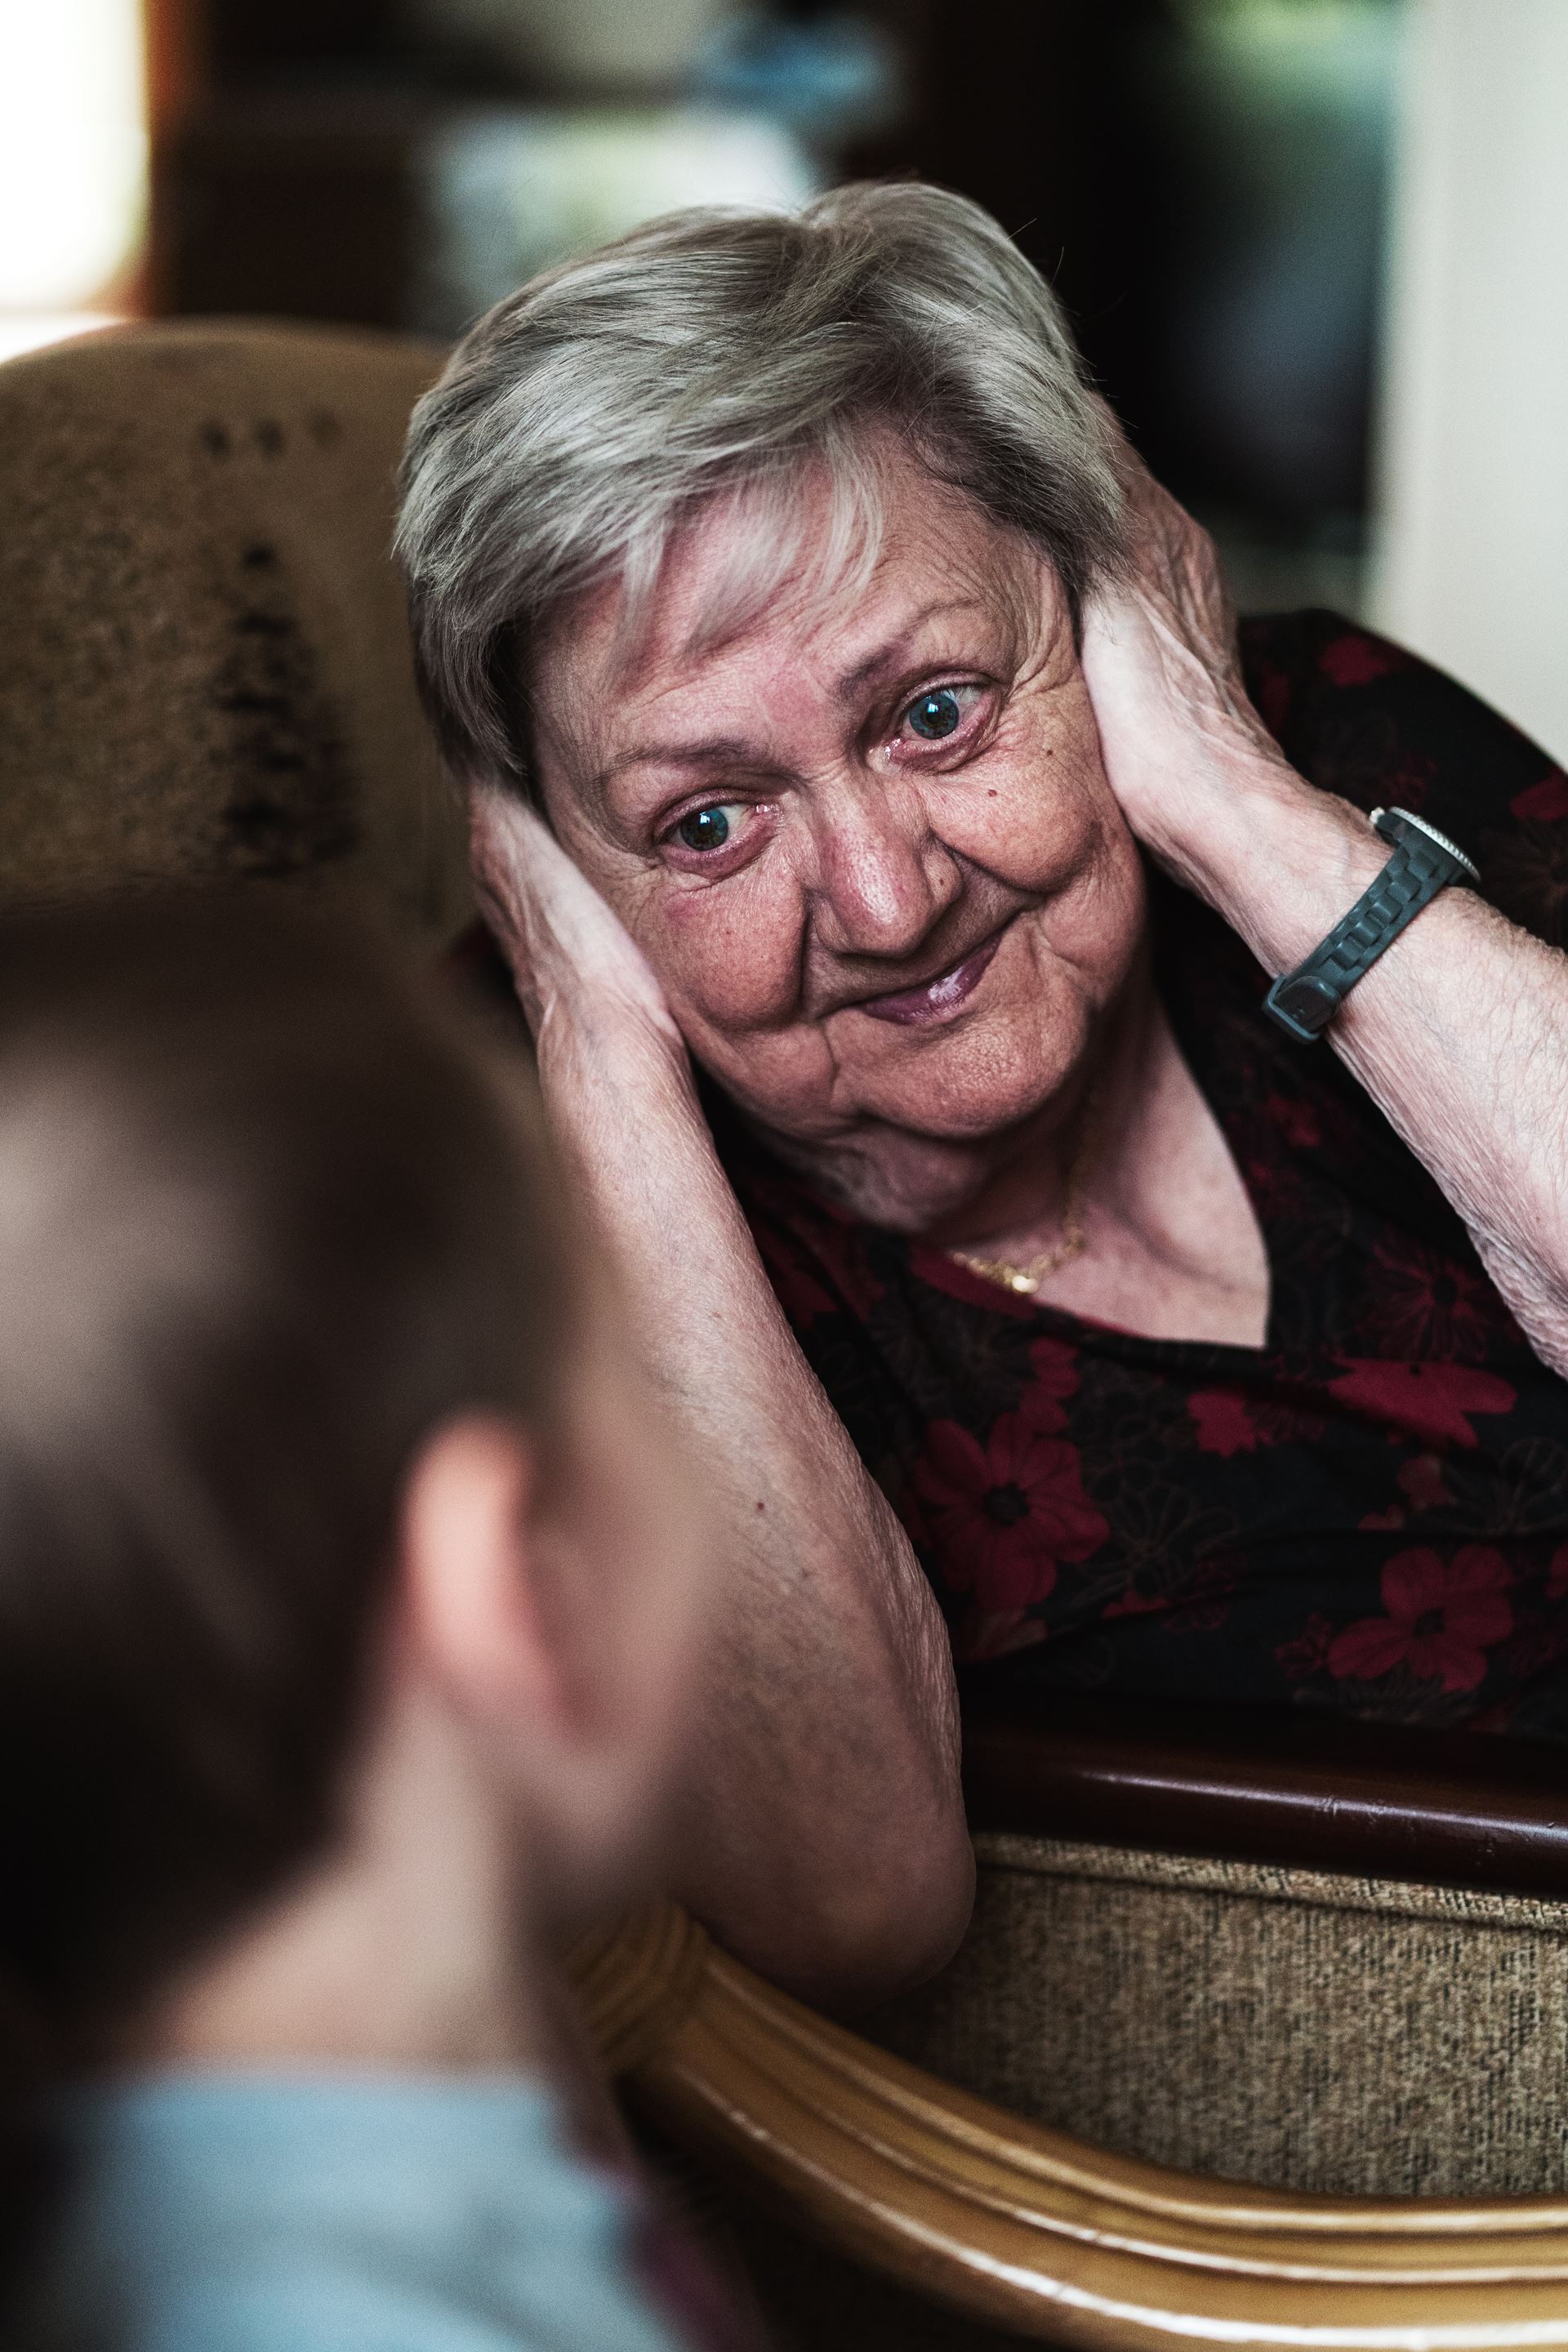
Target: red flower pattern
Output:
{"points": [[1432, 1401], [814, 1264], [1543, 802], [1443, 1617], [1223, 1423], [1424, 1305], [1422, 1479], [1054, 1367], [1134, 1603], [1308, 1651], [797, 1286], [1006, 1513]]}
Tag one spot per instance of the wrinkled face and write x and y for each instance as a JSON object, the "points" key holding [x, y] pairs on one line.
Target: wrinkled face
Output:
{"points": [[871, 854]]}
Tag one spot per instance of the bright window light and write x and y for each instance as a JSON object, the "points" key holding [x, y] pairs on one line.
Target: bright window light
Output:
{"points": [[73, 148]]}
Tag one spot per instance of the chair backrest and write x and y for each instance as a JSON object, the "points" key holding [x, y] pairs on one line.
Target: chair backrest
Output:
{"points": [[205, 669]]}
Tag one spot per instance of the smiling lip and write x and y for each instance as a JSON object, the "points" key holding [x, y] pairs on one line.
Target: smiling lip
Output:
{"points": [[936, 1000]]}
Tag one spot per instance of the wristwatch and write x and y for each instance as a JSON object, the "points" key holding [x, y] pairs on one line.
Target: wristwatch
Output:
{"points": [[1424, 861]]}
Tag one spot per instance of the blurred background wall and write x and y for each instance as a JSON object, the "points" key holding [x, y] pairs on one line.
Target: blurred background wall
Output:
{"points": [[1472, 491], [1316, 250]]}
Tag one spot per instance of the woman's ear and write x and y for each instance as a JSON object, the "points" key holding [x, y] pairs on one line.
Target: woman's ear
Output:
{"points": [[468, 1528]]}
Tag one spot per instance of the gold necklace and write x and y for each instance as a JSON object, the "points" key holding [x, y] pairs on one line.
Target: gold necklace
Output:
{"points": [[1026, 1280]]}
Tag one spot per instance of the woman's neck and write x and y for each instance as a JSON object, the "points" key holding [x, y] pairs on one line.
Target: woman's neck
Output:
{"points": [[982, 1193], [1102, 1132], [1170, 1246]]}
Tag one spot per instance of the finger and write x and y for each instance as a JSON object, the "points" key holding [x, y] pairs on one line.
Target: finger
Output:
{"points": [[1115, 629], [497, 811], [510, 842]]}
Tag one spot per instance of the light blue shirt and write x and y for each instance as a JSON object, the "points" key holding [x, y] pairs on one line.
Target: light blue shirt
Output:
{"points": [[232, 2213]]}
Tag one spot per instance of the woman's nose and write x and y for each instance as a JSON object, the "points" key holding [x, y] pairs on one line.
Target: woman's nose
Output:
{"points": [[884, 877]]}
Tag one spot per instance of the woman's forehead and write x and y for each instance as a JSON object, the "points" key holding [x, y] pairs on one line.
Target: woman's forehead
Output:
{"points": [[940, 565]]}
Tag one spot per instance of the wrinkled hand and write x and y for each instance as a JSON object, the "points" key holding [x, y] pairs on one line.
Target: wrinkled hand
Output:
{"points": [[1176, 730], [573, 960]]}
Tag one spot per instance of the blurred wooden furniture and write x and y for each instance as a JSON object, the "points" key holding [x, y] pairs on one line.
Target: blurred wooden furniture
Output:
{"points": [[206, 672]]}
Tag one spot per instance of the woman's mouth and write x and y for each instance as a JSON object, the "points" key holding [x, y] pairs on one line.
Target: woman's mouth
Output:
{"points": [[937, 999]]}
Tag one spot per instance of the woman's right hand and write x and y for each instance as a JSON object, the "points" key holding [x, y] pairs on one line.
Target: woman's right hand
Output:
{"points": [[823, 1837], [573, 964]]}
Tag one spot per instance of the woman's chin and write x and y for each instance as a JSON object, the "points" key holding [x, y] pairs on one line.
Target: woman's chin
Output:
{"points": [[943, 1092], [967, 1084]]}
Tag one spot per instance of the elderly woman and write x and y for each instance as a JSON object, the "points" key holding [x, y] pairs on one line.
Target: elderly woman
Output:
{"points": [[892, 863]]}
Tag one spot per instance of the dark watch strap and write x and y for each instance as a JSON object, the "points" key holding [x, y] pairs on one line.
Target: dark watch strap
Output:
{"points": [[1424, 861]]}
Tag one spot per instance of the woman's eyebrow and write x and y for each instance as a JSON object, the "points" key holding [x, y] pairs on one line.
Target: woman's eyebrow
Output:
{"points": [[729, 751], [716, 751], [891, 655]]}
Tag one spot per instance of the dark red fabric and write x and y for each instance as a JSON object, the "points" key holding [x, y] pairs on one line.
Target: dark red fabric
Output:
{"points": [[1368, 1513]]}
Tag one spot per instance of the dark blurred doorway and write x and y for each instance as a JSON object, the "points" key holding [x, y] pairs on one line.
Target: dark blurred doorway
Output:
{"points": [[1206, 184]]}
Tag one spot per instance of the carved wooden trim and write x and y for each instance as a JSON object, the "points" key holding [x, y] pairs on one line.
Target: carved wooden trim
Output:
{"points": [[1029, 2229], [636, 1980]]}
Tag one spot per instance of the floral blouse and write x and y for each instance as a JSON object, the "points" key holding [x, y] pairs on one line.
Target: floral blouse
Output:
{"points": [[1370, 1512]]}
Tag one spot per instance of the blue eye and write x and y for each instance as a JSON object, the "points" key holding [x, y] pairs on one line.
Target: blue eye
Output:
{"points": [[705, 828], [936, 714]]}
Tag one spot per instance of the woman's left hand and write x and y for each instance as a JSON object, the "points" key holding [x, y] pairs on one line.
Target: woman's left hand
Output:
{"points": [[1179, 737], [1459, 1033]]}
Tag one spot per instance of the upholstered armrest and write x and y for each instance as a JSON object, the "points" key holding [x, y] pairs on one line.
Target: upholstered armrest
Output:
{"points": [[1029, 2229]]}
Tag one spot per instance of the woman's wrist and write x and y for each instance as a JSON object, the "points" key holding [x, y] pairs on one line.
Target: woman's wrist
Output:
{"points": [[602, 1046], [1278, 859]]}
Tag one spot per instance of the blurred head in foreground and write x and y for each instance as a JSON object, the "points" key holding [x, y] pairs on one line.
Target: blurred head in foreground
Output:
{"points": [[346, 1586]]}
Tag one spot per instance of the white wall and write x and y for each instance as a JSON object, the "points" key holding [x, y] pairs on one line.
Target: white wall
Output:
{"points": [[1473, 538], [73, 148]]}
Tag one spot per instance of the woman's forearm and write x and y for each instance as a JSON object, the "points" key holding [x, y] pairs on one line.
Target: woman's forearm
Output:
{"points": [[824, 1838], [1459, 1032]]}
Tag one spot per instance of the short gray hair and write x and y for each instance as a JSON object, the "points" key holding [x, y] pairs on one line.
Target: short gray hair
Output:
{"points": [[586, 417]]}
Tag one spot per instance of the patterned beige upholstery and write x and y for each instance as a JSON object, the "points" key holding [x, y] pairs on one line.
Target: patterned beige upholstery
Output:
{"points": [[206, 670], [1282, 2027]]}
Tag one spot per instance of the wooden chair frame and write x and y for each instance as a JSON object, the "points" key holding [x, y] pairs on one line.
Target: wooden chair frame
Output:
{"points": [[1031, 2231]]}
